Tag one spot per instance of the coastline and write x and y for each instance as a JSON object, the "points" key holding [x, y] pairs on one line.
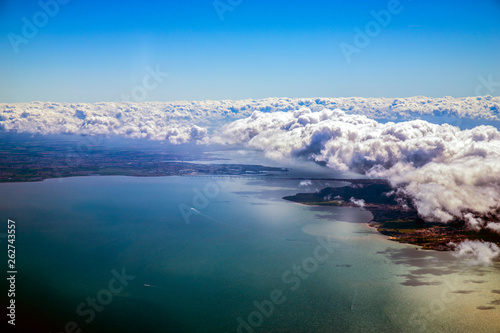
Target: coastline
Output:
{"points": [[403, 225]]}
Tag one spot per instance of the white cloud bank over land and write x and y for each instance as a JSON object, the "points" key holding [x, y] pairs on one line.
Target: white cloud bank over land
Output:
{"points": [[448, 172], [477, 252], [134, 120], [180, 122]]}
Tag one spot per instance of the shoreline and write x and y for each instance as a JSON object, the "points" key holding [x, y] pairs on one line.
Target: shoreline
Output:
{"points": [[403, 225]]}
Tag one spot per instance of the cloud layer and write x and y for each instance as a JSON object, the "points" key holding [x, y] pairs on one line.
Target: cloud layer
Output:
{"points": [[134, 120], [449, 173], [180, 122]]}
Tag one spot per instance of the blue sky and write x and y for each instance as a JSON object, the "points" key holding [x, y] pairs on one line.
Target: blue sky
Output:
{"points": [[92, 51]]}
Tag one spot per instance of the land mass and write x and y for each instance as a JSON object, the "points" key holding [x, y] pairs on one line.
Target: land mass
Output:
{"points": [[395, 215], [23, 159]]}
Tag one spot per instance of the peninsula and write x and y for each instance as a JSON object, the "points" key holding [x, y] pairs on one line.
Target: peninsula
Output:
{"points": [[394, 215]]}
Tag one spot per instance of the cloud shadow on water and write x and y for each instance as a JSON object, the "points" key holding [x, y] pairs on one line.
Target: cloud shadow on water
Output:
{"points": [[424, 265]]}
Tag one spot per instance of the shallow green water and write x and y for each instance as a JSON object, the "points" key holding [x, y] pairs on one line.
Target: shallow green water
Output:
{"points": [[213, 268]]}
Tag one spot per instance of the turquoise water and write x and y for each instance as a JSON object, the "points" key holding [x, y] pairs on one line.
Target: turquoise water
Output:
{"points": [[212, 269]]}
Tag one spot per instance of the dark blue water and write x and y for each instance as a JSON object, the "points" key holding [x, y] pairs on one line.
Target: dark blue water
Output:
{"points": [[209, 255]]}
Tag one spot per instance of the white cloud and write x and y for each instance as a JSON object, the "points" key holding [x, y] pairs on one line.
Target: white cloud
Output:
{"points": [[474, 223], [477, 252], [360, 203], [494, 227], [134, 120], [305, 182], [448, 172], [174, 121]]}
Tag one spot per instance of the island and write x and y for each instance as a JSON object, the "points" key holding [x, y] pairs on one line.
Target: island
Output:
{"points": [[395, 215]]}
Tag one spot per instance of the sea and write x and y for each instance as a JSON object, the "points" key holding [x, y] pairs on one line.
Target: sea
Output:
{"points": [[225, 254]]}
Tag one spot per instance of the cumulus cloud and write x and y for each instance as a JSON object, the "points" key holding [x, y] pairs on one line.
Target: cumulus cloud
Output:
{"points": [[305, 182], [477, 252], [360, 203], [494, 227], [179, 122], [449, 173], [474, 223], [133, 120]]}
